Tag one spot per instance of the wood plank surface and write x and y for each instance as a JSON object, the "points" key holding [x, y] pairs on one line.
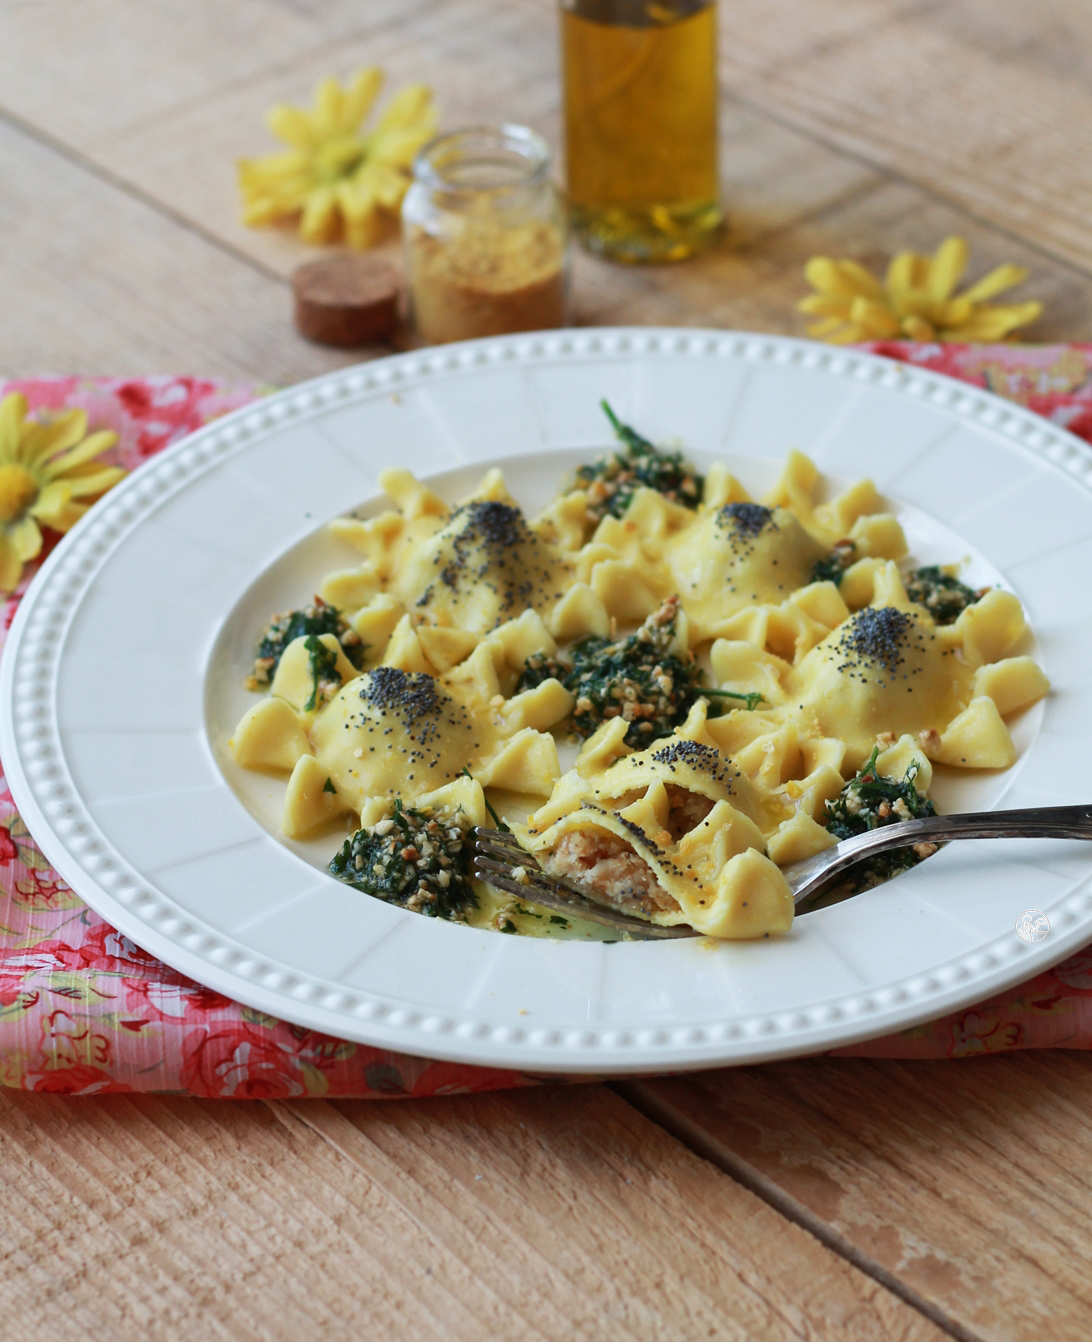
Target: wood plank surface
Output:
{"points": [[122, 288], [560, 1214], [984, 103], [170, 135], [969, 1181], [838, 1198]]}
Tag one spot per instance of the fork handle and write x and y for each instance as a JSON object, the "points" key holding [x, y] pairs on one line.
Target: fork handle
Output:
{"points": [[1038, 822]]}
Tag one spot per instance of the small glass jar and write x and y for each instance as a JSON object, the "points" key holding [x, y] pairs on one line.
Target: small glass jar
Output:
{"points": [[486, 237]]}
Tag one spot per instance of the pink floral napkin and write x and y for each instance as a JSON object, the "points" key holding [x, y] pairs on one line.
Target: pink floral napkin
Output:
{"points": [[84, 1011]]}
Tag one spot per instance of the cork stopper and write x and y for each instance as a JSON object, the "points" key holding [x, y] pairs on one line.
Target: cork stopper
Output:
{"points": [[346, 299]]}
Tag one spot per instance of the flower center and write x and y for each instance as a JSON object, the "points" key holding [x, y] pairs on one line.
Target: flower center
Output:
{"points": [[340, 157], [18, 490]]}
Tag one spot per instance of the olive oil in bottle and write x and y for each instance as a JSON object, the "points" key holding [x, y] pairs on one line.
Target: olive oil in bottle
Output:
{"points": [[641, 125]]}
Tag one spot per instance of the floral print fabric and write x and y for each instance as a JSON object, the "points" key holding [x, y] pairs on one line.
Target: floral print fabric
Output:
{"points": [[85, 1011]]}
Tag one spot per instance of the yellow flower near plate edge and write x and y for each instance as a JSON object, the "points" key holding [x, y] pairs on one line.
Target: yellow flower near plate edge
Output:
{"points": [[916, 300], [340, 181], [49, 476]]}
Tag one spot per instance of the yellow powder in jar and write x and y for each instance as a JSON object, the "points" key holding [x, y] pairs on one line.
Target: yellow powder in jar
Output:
{"points": [[487, 279]]}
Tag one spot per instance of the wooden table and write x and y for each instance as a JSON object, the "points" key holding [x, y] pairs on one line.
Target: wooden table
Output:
{"points": [[827, 1198]]}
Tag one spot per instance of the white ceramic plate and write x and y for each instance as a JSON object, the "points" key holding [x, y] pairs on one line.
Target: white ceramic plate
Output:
{"points": [[120, 685]]}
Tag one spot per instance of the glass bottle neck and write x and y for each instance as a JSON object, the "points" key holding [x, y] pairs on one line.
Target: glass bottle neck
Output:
{"points": [[635, 13]]}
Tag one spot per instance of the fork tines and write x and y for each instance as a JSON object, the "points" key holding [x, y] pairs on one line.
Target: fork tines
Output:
{"points": [[498, 857]]}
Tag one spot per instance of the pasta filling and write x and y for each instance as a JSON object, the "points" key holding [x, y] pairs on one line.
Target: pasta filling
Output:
{"points": [[602, 862], [611, 866]]}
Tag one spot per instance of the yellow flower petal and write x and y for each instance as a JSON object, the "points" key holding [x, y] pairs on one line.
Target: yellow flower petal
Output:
{"points": [[290, 124], [917, 300], [820, 330], [11, 566], [917, 328], [877, 319], [41, 441], [363, 221], [13, 412], [850, 335], [263, 212], [319, 221], [408, 106], [19, 487], [82, 486], [25, 538], [45, 438], [274, 187], [338, 157], [400, 147], [51, 503], [999, 279], [67, 518], [91, 446], [862, 280], [946, 268], [825, 305], [274, 168], [326, 116], [328, 151], [356, 198], [383, 184], [902, 272], [1025, 313], [365, 231], [848, 279], [995, 323], [953, 313], [827, 276], [361, 95]]}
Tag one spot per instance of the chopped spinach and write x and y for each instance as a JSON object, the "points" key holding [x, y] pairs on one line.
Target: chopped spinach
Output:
{"points": [[636, 678], [750, 700], [869, 801], [318, 618], [942, 595], [325, 677], [832, 566], [611, 481], [416, 859]]}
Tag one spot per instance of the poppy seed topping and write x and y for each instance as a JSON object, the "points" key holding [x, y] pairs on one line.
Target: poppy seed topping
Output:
{"points": [[703, 759], [879, 638], [492, 546], [418, 703], [747, 520]]}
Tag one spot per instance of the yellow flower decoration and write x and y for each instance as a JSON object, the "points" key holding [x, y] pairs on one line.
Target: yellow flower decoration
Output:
{"points": [[916, 301], [339, 180], [48, 477]]}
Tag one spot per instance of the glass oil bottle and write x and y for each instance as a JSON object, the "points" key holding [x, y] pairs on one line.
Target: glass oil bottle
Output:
{"points": [[641, 125]]}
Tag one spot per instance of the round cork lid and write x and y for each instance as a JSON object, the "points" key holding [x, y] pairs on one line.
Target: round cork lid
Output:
{"points": [[346, 299]]}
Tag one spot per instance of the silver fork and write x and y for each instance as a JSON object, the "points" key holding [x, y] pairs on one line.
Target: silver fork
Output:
{"points": [[497, 856]]}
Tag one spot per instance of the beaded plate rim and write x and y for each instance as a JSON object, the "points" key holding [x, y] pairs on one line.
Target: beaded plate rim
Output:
{"points": [[31, 745]]}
